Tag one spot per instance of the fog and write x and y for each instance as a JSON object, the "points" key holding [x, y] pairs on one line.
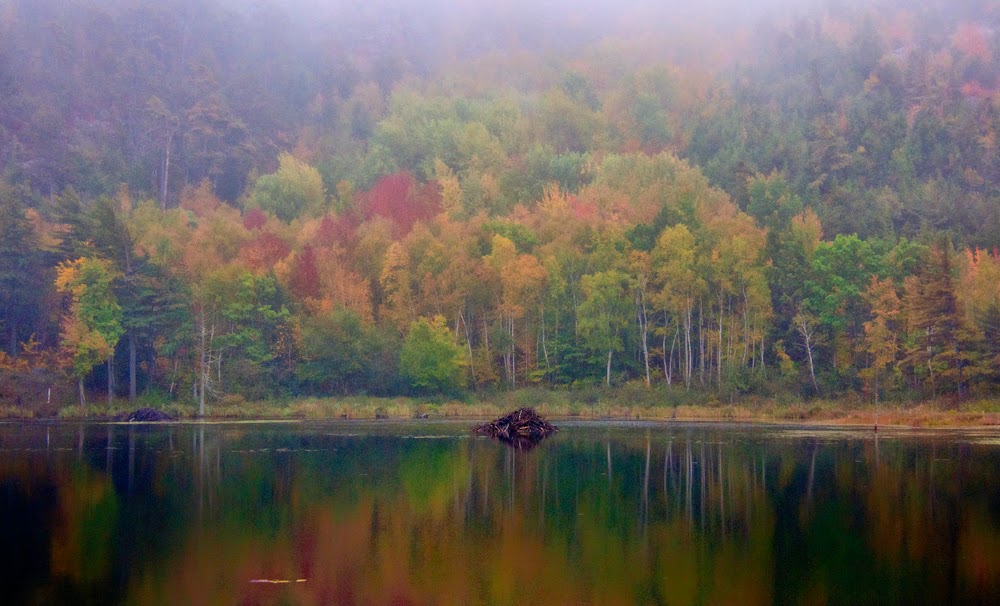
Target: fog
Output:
{"points": [[279, 64], [547, 17], [429, 33]]}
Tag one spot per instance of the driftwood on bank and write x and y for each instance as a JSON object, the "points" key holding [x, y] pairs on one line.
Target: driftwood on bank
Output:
{"points": [[523, 428]]}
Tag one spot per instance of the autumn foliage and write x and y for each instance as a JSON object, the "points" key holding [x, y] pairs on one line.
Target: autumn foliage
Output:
{"points": [[637, 209], [402, 200]]}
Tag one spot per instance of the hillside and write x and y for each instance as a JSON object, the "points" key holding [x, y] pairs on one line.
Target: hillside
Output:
{"points": [[202, 201]]}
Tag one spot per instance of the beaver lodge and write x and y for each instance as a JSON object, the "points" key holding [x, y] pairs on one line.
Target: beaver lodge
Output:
{"points": [[524, 428], [144, 415]]}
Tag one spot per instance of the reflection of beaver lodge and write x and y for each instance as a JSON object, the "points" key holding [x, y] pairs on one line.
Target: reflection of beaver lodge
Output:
{"points": [[523, 428]]}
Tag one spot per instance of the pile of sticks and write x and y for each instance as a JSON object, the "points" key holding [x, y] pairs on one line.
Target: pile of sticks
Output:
{"points": [[522, 428], [144, 415]]}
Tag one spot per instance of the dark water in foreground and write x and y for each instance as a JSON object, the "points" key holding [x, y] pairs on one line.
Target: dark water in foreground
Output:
{"points": [[361, 513]]}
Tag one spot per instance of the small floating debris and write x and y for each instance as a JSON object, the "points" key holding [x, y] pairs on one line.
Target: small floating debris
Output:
{"points": [[275, 581], [145, 415], [524, 428]]}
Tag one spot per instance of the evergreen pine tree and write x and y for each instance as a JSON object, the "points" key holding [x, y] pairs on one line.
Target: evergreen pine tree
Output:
{"points": [[944, 348], [21, 275]]}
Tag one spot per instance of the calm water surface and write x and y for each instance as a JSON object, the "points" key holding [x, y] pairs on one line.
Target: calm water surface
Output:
{"points": [[425, 513]]}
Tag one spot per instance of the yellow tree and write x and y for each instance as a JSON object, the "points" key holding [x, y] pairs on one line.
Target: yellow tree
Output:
{"points": [[978, 292], [397, 290], [737, 279], [93, 325], [678, 286], [521, 282], [374, 241], [881, 332], [451, 189], [341, 287], [445, 272]]}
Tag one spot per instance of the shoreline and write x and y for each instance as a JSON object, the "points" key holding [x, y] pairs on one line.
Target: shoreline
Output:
{"points": [[834, 413]]}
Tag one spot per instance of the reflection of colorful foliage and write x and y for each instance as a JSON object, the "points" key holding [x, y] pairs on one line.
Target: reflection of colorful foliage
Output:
{"points": [[83, 540], [373, 519], [979, 554]]}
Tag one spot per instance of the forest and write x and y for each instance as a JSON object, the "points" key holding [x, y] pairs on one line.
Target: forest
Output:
{"points": [[205, 202]]}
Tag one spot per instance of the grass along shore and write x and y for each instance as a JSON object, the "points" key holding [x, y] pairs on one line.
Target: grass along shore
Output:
{"points": [[621, 403]]}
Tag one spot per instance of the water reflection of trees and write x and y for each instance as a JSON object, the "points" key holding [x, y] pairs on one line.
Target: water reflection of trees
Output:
{"points": [[192, 514]]}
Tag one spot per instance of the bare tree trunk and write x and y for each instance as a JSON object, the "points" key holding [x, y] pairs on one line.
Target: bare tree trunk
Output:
{"points": [[83, 398], [173, 377], [166, 172], [545, 347], [468, 341], [644, 327], [746, 326], [111, 380], [486, 336], [807, 330], [513, 356], [718, 371], [673, 345], [555, 354], [131, 367], [131, 334], [930, 367], [668, 362], [688, 346], [731, 334], [666, 369], [701, 341], [609, 367], [202, 367], [812, 367]]}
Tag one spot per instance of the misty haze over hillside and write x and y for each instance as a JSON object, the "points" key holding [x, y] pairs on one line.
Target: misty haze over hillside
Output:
{"points": [[88, 69]]}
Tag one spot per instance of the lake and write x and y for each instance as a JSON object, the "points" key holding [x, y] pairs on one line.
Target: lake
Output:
{"points": [[426, 513]]}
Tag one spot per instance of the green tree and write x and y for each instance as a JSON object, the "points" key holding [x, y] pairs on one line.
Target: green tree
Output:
{"points": [[256, 340], [431, 361], [838, 276], [331, 352], [72, 226], [605, 313], [296, 188], [138, 291]]}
